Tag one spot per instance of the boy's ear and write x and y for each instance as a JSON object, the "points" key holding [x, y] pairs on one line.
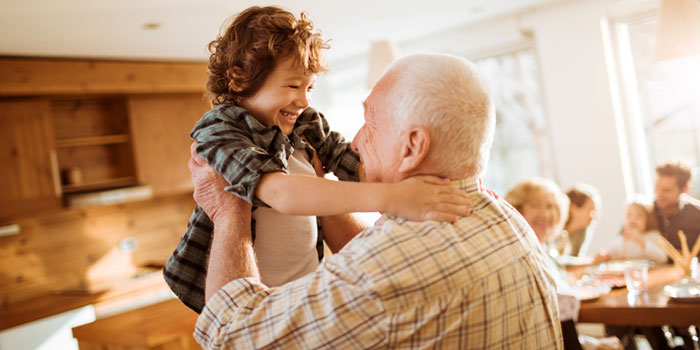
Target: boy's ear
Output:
{"points": [[416, 143]]}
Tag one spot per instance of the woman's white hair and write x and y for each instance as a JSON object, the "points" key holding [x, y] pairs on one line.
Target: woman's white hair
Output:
{"points": [[447, 95]]}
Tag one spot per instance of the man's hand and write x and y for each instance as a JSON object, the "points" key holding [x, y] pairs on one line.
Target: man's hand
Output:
{"points": [[209, 191], [231, 254]]}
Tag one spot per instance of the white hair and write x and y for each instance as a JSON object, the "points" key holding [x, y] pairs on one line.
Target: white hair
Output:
{"points": [[447, 95]]}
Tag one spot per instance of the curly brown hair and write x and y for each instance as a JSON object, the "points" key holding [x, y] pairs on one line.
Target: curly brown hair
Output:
{"points": [[257, 38]]}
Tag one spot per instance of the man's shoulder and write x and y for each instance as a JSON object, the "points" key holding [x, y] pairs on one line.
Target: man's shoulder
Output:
{"points": [[690, 203]]}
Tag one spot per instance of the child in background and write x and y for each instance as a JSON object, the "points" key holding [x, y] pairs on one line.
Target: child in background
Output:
{"points": [[263, 138], [638, 238]]}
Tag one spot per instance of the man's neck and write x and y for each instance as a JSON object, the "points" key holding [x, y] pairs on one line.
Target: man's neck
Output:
{"points": [[669, 210], [575, 226]]}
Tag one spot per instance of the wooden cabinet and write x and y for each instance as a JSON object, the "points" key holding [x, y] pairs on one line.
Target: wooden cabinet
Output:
{"points": [[160, 129], [93, 143], [27, 158], [69, 128]]}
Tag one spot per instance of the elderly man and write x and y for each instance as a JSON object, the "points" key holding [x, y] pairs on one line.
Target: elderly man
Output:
{"points": [[479, 283]]}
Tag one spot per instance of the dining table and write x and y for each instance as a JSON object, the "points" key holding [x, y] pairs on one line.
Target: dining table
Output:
{"points": [[650, 308]]}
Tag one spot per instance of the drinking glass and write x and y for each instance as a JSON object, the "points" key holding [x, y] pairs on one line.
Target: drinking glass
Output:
{"points": [[636, 277]]}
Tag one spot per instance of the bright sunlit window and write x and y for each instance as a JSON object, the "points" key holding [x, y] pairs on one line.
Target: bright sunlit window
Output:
{"points": [[521, 146], [662, 102]]}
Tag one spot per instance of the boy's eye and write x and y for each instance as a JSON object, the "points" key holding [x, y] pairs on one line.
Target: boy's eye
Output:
{"points": [[294, 86], [309, 88]]}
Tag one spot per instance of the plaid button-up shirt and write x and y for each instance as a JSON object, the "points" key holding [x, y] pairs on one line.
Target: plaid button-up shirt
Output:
{"points": [[480, 283], [242, 149]]}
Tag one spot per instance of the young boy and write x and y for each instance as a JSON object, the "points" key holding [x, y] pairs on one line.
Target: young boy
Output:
{"points": [[261, 136]]}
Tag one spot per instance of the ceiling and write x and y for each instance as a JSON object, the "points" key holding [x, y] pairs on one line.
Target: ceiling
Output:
{"points": [[119, 28]]}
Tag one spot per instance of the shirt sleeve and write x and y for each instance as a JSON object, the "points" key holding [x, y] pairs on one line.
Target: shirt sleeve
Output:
{"points": [[227, 141], [336, 155], [327, 309]]}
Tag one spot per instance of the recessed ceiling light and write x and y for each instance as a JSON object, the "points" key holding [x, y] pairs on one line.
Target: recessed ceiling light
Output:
{"points": [[151, 26]]}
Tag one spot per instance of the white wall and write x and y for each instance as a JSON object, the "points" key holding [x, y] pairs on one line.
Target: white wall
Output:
{"points": [[570, 39]]}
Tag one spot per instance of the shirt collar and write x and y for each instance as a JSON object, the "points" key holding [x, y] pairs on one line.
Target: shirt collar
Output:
{"points": [[473, 185]]}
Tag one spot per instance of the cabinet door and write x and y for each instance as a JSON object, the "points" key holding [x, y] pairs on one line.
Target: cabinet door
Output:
{"points": [[160, 132], [30, 180]]}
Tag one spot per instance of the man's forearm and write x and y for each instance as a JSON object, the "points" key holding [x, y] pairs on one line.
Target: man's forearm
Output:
{"points": [[338, 230], [231, 255]]}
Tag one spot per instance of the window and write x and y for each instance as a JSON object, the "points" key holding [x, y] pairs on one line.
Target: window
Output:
{"points": [[661, 102], [521, 145]]}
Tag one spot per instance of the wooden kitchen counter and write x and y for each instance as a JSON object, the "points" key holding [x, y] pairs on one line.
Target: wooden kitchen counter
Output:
{"points": [[165, 325]]}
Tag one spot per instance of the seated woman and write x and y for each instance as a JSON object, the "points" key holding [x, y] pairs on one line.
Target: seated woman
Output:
{"points": [[638, 238], [543, 205], [583, 211]]}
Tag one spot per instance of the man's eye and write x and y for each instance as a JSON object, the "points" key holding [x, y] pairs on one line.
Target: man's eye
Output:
{"points": [[294, 86]]}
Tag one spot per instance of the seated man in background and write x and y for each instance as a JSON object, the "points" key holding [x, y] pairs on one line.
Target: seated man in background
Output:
{"points": [[478, 283], [674, 208]]}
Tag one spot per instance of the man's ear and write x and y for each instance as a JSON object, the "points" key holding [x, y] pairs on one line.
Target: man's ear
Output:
{"points": [[685, 189], [416, 143]]}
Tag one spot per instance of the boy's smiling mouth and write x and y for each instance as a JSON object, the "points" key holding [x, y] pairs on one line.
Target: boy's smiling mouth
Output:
{"points": [[289, 116]]}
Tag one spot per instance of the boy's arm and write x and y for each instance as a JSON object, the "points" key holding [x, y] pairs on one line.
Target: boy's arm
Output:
{"points": [[417, 198]]}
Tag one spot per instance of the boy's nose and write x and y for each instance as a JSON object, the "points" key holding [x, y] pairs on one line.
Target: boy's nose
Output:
{"points": [[303, 100]]}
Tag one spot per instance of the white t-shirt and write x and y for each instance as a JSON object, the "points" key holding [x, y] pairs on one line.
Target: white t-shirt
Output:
{"points": [[621, 249], [285, 245]]}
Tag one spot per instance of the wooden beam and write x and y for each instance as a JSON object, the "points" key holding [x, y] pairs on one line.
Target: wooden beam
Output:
{"points": [[35, 76]]}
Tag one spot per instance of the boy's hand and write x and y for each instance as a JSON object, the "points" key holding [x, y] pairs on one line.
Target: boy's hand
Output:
{"points": [[427, 198]]}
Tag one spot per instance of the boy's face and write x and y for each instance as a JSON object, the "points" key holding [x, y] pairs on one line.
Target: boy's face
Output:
{"points": [[283, 96]]}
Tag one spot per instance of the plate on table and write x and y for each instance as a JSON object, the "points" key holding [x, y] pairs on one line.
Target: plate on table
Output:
{"points": [[571, 261], [590, 291], [617, 268], [612, 281], [684, 291]]}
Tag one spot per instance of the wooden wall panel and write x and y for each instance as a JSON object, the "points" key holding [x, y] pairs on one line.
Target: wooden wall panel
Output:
{"points": [[29, 178], [161, 128], [25, 77], [89, 117], [78, 249]]}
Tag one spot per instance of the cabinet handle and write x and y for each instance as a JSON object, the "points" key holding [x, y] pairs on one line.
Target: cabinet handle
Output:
{"points": [[56, 174]]}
